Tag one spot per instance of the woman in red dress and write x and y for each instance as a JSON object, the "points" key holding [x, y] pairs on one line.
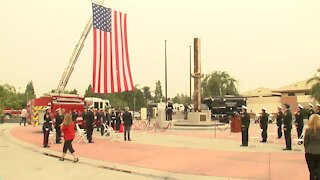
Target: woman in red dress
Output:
{"points": [[69, 134]]}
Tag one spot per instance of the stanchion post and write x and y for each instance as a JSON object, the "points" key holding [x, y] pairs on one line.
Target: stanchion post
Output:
{"points": [[215, 129]]}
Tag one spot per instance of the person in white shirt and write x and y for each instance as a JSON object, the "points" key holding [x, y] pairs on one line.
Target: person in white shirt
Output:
{"points": [[23, 115]]}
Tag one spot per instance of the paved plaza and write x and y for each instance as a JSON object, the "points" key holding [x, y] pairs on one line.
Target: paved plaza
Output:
{"points": [[176, 153]]}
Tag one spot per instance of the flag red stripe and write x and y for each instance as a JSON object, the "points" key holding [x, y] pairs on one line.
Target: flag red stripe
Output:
{"points": [[99, 75], [94, 58], [111, 64], [127, 52], [123, 70], [116, 49], [105, 62]]}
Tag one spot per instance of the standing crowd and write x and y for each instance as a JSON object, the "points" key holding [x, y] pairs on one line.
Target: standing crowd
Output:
{"points": [[310, 138], [66, 124]]}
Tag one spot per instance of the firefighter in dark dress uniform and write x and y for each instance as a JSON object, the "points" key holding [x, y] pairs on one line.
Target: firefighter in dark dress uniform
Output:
{"points": [[287, 126], [264, 124], [59, 120], [89, 123], [99, 115], [118, 121], [311, 111], [112, 119], [299, 121], [46, 128], [74, 115], [103, 121], [169, 110], [245, 122], [279, 121]]}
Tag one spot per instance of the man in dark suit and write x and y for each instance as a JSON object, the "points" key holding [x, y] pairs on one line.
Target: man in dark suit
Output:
{"points": [[264, 124], [89, 123], [127, 122], [287, 122], [299, 120], [57, 125], [245, 122], [279, 121]]}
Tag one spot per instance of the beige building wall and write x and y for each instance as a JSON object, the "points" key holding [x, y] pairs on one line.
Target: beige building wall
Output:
{"points": [[254, 104], [304, 100]]}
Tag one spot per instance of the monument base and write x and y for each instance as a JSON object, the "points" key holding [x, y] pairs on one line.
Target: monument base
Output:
{"points": [[196, 119]]}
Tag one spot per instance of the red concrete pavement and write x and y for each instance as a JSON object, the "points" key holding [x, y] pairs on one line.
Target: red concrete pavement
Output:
{"points": [[249, 165]]}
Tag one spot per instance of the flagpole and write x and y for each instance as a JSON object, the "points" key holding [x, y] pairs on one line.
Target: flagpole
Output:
{"points": [[190, 75], [165, 57]]}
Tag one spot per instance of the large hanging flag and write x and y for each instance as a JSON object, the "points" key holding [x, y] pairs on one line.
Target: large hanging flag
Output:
{"points": [[111, 65]]}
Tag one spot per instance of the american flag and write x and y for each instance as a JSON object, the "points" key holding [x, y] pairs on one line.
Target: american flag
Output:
{"points": [[111, 65]]}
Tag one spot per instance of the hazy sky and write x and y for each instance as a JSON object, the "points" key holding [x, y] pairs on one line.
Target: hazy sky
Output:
{"points": [[260, 43]]}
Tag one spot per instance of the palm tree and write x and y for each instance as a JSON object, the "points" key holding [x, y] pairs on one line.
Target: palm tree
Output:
{"points": [[315, 89]]}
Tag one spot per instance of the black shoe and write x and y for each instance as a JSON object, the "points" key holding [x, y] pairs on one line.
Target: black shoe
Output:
{"points": [[129, 140], [76, 160], [58, 142], [91, 142], [263, 141], [243, 145], [125, 139], [287, 149], [61, 159]]}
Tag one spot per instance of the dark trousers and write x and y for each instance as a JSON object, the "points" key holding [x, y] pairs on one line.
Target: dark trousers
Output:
{"points": [[102, 130], [280, 131], [185, 114], [264, 134], [287, 135], [46, 133], [299, 130], [23, 120], [127, 132], [169, 116], [58, 134], [89, 133], [313, 162], [68, 146], [245, 134]]}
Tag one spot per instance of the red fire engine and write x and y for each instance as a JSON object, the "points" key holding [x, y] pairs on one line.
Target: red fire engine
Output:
{"points": [[67, 102]]}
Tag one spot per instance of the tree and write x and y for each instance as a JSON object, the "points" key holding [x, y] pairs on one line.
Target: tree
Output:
{"points": [[158, 96], [9, 98], [219, 84], [146, 93], [315, 89], [74, 91], [88, 92], [181, 99], [29, 92]]}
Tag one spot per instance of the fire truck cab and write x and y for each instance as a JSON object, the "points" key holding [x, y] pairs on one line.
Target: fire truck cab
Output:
{"points": [[98, 103]]}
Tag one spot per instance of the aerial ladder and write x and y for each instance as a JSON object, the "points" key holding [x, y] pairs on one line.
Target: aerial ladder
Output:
{"points": [[74, 57]]}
